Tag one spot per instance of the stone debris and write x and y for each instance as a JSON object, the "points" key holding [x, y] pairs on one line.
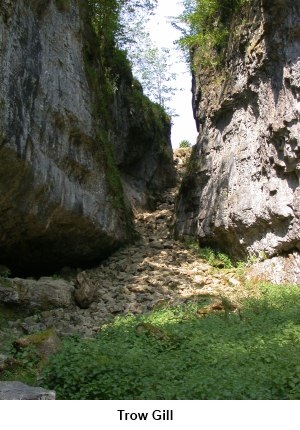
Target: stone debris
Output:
{"points": [[153, 272], [13, 390], [85, 293], [42, 294]]}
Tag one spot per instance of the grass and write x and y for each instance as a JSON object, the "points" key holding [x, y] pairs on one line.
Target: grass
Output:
{"points": [[177, 355], [215, 258]]}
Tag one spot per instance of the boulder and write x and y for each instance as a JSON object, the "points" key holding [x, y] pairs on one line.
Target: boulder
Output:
{"points": [[45, 343], [86, 290], [46, 293], [278, 270], [14, 390]]}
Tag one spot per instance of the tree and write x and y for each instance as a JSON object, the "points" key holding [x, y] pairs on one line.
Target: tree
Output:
{"points": [[121, 24], [114, 19], [153, 69], [151, 66], [185, 144], [105, 18], [205, 25], [134, 14]]}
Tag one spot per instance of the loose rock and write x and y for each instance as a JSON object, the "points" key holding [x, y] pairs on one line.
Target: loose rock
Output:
{"points": [[13, 390], [46, 293]]}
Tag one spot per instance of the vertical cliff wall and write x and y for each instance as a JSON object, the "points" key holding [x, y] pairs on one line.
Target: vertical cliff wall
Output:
{"points": [[142, 145], [241, 193], [61, 197]]}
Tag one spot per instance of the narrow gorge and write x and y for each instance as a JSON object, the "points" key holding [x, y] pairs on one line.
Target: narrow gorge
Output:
{"points": [[70, 142], [101, 221]]}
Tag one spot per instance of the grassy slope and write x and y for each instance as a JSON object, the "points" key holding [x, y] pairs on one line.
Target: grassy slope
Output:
{"points": [[174, 354]]}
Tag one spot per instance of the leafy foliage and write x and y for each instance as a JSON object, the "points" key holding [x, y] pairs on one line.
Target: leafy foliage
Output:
{"points": [[134, 15], [23, 364], [206, 27], [153, 69], [113, 19], [120, 29], [105, 16], [185, 144], [213, 257], [176, 355]]}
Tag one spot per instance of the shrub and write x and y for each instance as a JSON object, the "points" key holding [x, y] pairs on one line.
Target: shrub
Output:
{"points": [[208, 24], [214, 257], [185, 144], [251, 355]]}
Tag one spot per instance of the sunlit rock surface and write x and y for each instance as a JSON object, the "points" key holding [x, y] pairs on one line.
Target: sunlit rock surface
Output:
{"points": [[241, 192]]}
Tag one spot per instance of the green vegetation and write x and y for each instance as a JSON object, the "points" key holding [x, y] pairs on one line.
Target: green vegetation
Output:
{"points": [[23, 365], [185, 144], [209, 26], [213, 257], [175, 354], [180, 353], [105, 16], [216, 258], [221, 260], [113, 176], [153, 69], [5, 272], [107, 67], [111, 18]]}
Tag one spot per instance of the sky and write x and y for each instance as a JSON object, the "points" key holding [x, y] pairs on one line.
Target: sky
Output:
{"points": [[163, 35]]}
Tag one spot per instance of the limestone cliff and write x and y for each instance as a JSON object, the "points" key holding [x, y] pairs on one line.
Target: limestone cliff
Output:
{"points": [[142, 144], [241, 193], [61, 198]]}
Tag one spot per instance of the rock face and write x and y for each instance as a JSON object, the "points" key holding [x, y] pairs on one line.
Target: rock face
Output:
{"points": [[279, 270], [154, 272], [142, 145], [46, 293], [61, 200], [241, 192], [13, 390]]}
